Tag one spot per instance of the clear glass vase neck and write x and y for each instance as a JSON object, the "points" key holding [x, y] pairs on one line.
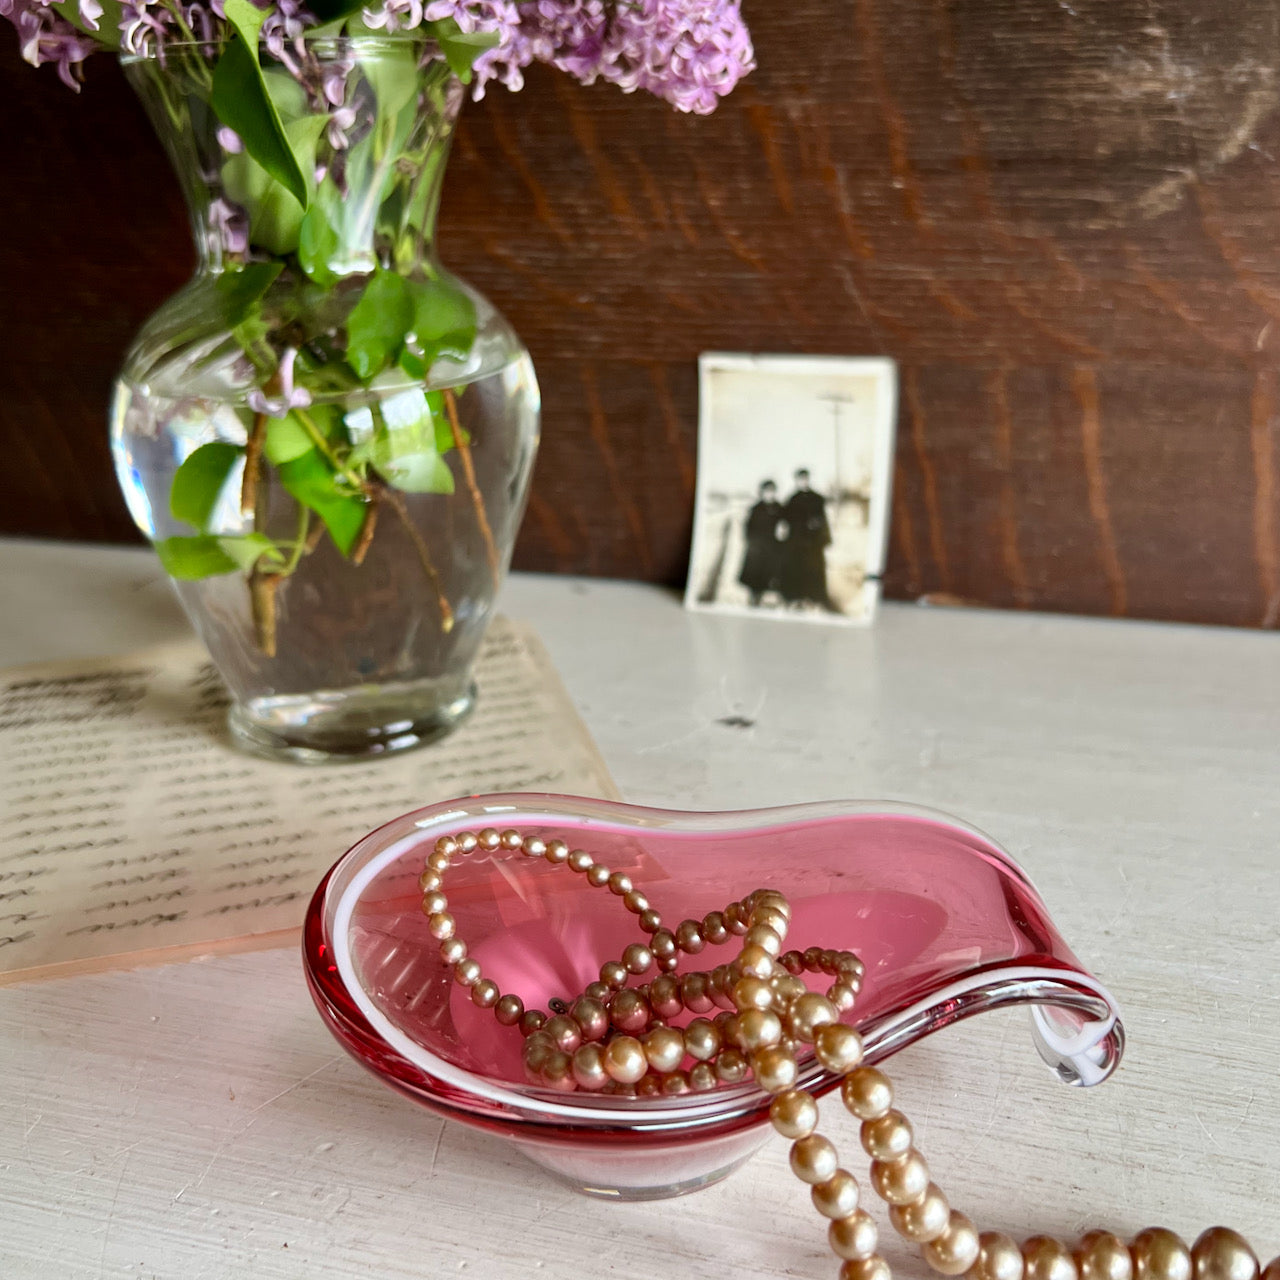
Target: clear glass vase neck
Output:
{"points": [[370, 120]]}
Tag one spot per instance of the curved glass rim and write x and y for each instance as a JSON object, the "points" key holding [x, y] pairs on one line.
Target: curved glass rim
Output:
{"points": [[327, 43], [1087, 1058]]}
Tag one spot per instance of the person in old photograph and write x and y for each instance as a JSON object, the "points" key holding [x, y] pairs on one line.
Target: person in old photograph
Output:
{"points": [[762, 562], [804, 553]]}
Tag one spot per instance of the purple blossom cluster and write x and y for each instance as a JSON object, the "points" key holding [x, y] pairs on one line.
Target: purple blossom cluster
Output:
{"points": [[688, 52], [44, 35]]}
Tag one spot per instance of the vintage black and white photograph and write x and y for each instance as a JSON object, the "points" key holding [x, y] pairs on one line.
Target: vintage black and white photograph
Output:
{"points": [[794, 463]]}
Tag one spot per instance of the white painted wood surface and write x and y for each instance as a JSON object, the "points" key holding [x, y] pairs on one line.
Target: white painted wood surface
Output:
{"points": [[198, 1123]]}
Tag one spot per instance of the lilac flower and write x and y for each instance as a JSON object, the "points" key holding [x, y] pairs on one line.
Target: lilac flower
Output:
{"points": [[228, 227], [394, 15], [290, 397], [44, 35]]}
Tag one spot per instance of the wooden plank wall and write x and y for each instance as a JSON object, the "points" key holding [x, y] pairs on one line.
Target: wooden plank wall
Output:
{"points": [[1060, 216]]}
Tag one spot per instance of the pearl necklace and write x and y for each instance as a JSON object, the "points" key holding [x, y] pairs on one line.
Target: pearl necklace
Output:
{"points": [[618, 1039]]}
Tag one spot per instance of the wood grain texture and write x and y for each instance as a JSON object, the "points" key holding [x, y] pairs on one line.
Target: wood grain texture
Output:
{"points": [[1060, 219]]}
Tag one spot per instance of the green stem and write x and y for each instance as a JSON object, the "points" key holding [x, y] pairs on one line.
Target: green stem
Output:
{"points": [[317, 438], [304, 524]]}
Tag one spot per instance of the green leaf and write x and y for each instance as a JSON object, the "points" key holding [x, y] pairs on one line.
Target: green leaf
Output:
{"points": [[191, 558], [377, 323], [392, 71], [444, 319], [444, 429], [240, 100], [311, 481], [108, 32], [405, 451], [242, 287], [462, 48], [199, 481], [318, 238], [246, 551], [275, 216], [286, 439]]}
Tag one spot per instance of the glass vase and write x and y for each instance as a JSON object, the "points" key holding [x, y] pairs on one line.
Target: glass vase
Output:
{"points": [[326, 435]]}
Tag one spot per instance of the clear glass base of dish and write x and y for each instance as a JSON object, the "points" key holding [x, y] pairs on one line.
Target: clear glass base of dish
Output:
{"points": [[349, 724], [645, 1173]]}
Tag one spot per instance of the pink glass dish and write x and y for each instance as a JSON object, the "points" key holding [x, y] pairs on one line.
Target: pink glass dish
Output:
{"points": [[945, 921]]}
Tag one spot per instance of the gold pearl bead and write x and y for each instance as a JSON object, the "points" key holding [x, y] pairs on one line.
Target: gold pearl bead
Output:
{"points": [[768, 918], [438, 862], [854, 1237], [564, 1031], [689, 937], [900, 1181], [695, 991], [512, 840], [924, 1219], [557, 1071], [809, 1012], [508, 1010], [1103, 1256], [466, 973], [676, 1083], [838, 1196], [598, 875], [794, 1114], [873, 1268], [713, 928], [429, 881], [452, 950], [637, 957], [1160, 1255], [999, 1258], [956, 1249], [637, 904], [625, 1060], [1223, 1254], [580, 860], [758, 1029], [839, 1048], [442, 925], [813, 1159], [433, 902], [887, 1137], [664, 996], [760, 935], [485, 993], [589, 1067], [531, 1021], [752, 993], [620, 884], [446, 845], [535, 847], [613, 974], [702, 1076], [629, 1011], [664, 1048], [1272, 1270], [591, 1016], [702, 1039], [731, 1066], [755, 962], [1044, 1258], [774, 1069], [489, 840], [467, 841], [867, 1093]]}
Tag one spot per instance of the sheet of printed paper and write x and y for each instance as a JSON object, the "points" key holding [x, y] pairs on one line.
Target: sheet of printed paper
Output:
{"points": [[131, 832]]}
